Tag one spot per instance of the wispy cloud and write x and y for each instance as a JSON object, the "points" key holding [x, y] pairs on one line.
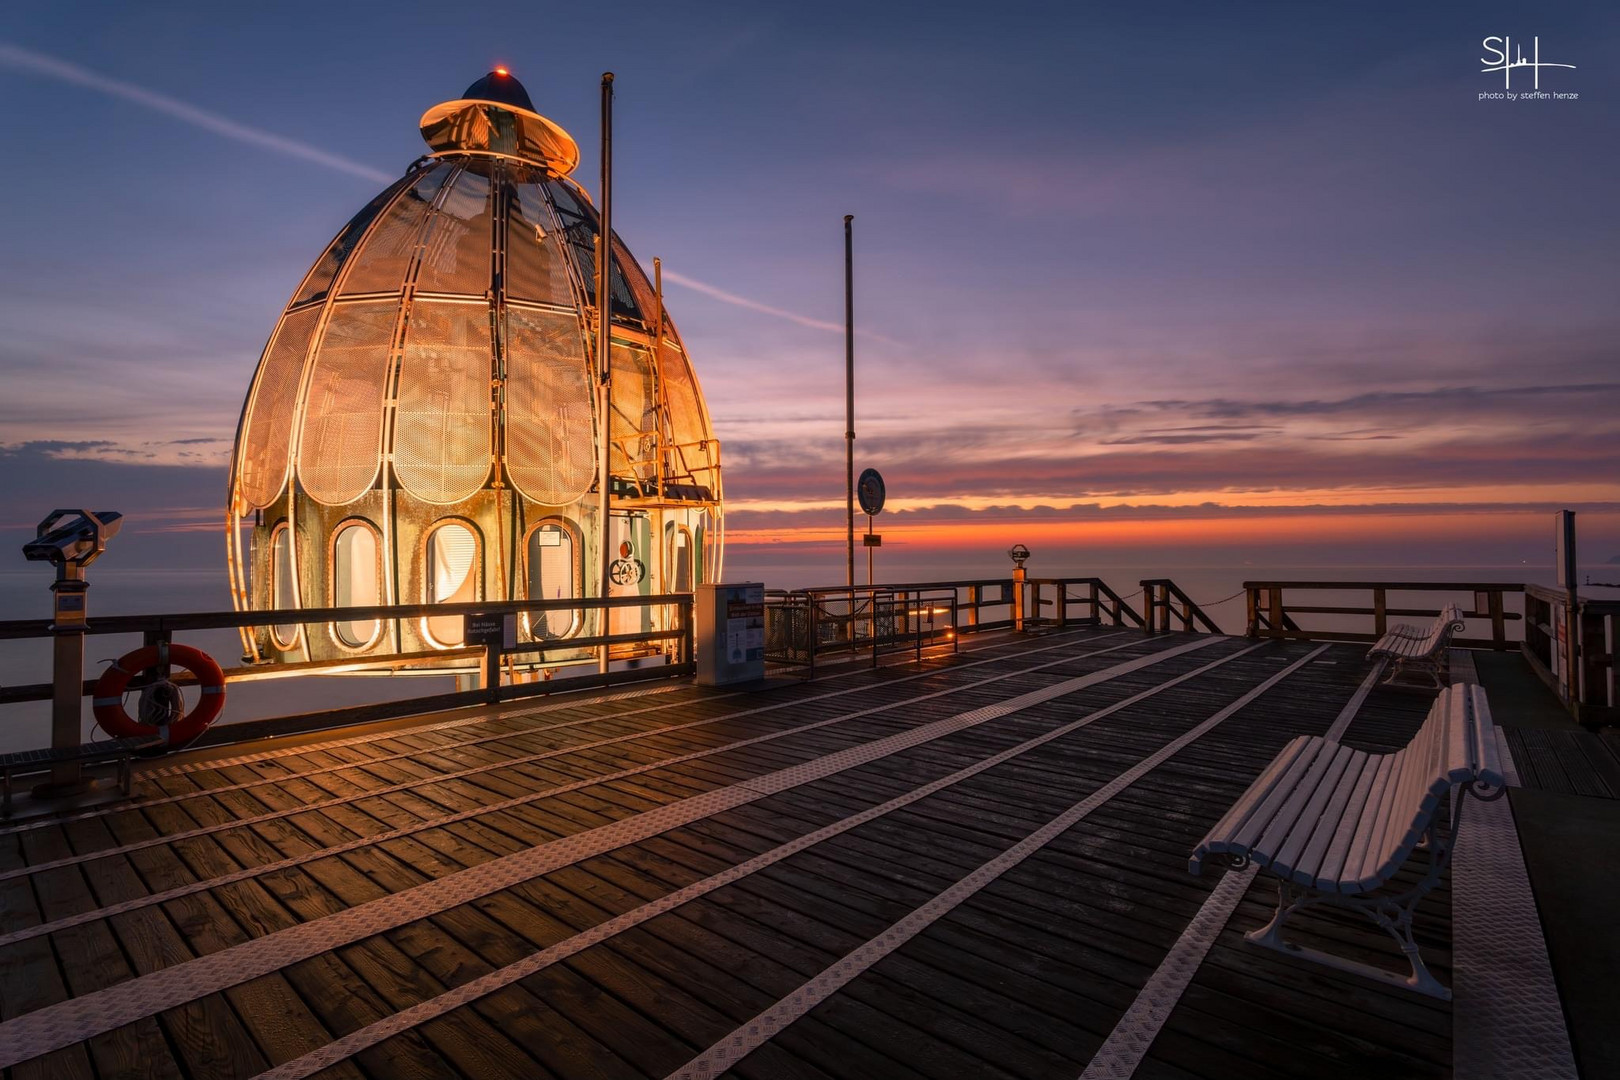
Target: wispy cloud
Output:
{"points": [[732, 298], [50, 67]]}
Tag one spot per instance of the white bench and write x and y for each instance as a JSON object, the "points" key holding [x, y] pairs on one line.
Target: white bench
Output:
{"points": [[1334, 825], [1414, 648]]}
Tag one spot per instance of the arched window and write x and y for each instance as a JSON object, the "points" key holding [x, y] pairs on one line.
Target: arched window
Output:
{"points": [[552, 555], [283, 584], [678, 557], [452, 575], [356, 580]]}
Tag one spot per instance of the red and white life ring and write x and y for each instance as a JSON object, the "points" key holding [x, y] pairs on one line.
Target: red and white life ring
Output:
{"points": [[110, 688]]}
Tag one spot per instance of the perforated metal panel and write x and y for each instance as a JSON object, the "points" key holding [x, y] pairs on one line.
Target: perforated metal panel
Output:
{"points": [[442, 426], [264, 452], [579, 225], [634, 413], [321, 275], [550, 448], [339, 450], [694, 453], [385, 254], [456, 252], [535, 269]]}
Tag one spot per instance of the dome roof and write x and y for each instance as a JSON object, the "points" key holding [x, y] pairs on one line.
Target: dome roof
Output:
{"points": [[446, 332]]}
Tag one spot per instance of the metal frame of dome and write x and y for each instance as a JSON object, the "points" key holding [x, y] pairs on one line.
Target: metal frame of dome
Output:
{"points": [[433, 368]]}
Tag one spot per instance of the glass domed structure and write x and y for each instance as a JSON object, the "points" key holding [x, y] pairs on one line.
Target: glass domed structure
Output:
{"points": [[421, 428]]}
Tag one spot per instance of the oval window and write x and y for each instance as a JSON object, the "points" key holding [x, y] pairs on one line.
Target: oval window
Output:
{"points": [[452, 578], [355, 578], [283, 584]]}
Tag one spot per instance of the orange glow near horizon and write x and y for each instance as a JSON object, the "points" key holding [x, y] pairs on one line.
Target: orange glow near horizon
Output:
{"points": [[1235, 531]]}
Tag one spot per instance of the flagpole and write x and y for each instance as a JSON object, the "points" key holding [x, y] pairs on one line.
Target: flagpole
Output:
{"points": [[604, 363], [849, 405]]}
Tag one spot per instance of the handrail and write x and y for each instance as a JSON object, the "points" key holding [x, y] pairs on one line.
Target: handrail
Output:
{"points": [[1269, 616], [1157, 594], [1101, 600], [219, 620]]}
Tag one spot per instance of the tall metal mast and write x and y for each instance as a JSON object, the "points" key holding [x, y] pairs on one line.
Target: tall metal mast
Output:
{"points": [[849, 401], [604, 363]]}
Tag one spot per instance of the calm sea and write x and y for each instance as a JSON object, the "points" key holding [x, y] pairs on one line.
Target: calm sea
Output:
{"points": [[114, 591]]}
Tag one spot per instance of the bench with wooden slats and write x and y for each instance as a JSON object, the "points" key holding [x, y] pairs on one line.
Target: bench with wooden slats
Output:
{"points": [[1334, 824], [1419, 650]]}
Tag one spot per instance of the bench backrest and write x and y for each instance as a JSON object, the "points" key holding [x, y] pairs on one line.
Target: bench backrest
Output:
{"points": [[1455, 745], [1448, 622]]}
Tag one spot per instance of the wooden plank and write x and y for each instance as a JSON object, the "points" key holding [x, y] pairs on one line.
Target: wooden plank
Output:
{"points": [[31, 978]]}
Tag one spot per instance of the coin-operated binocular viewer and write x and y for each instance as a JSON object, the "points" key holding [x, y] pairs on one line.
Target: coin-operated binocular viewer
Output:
{"points": [[1019, 554], [70, 540]]}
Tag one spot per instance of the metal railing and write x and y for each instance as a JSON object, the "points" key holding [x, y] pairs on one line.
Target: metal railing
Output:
{"points": [[1270, 615], [485, 657], [803, 625]]}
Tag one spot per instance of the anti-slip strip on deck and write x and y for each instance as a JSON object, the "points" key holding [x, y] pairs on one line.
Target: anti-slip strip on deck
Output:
{"points": [[246, 873], [73, 1021], [1508, 1021], [726, 1052], [436, 778], [1128, 1043], [374, 1033]]}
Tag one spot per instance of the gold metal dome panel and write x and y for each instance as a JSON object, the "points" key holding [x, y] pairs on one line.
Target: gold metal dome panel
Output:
{"points": [[423, 423]]}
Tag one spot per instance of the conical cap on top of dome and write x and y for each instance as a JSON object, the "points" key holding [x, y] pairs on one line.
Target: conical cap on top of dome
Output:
{"points": [[495, 116]]}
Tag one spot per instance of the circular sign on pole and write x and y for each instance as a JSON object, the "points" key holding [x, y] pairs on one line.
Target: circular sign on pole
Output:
{"points": [[870, 491], [1018, 553]]}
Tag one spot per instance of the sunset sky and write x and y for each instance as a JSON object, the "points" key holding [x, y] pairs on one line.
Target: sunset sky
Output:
{"points": [[1170, 281]]}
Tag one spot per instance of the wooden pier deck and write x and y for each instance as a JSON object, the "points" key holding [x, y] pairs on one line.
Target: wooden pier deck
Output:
{"points": [[972, 867]]}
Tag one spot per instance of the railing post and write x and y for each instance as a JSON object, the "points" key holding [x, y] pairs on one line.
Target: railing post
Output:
{"points": [[688, 630], [920, 627], [68, 594], [1380, 608], [1609, 638], [1498, 621], [67, 697], [973, 606], [1275, 600], [490, 671], [1253, 604]]}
